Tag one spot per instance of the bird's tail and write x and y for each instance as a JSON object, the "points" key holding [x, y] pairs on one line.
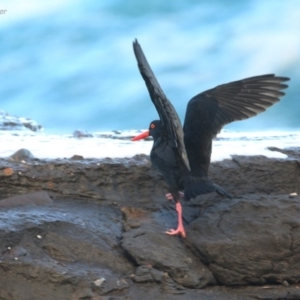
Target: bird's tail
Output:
{"points": [[195, 186]]}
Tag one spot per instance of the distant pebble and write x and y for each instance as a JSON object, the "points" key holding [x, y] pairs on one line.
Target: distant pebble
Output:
{"points": [[99, 281], [285, 283], [292, 195]]}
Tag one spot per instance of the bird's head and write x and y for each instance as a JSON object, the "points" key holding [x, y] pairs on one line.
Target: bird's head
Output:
{"points": [[154, 131]]}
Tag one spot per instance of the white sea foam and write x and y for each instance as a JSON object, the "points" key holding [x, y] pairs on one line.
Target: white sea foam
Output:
{"points": [[117, 145]]}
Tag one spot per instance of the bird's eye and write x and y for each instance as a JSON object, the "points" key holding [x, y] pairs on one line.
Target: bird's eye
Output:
{"points": [[152, 126]]}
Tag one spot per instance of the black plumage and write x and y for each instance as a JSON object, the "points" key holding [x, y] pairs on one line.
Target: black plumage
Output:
{"points": [[182, 154]]}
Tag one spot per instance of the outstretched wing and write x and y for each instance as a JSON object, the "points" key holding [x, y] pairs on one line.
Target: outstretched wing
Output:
{"points": [[165, 109], [209, 111]]}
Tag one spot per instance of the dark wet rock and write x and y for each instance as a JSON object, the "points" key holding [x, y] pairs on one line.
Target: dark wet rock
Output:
{"points": [[134, 178], [145, 241], [148, 274], [293, 152], [103, 236], [37, 198], [117, 131], [21, 155], [77, 157], [61, 252], [257, 174], [14, 253], [105, 180], [81, 133], [8, 122], [249, 241]]}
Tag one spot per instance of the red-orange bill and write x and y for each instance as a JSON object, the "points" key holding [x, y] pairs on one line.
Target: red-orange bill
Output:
{"points": [[141, 136]]}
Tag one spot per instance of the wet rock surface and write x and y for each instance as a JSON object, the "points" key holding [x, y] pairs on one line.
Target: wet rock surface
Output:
{"points": [[145, 241], [94, 229], [250, 242]]}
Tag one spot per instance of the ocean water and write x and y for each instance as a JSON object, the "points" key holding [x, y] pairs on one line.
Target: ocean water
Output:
{"points": [[70, 65]]}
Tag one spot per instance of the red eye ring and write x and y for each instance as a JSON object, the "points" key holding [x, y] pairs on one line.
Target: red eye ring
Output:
{"points": [[152, 126]]}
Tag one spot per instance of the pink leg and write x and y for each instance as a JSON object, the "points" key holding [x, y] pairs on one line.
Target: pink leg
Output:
{"points": [[170, 197], [180, 228]]}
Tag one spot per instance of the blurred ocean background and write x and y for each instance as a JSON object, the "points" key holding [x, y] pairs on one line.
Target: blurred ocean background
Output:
{"points": [[69, 64]]}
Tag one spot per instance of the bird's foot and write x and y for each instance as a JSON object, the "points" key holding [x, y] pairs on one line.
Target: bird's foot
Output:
{"points": [[170, 197], [179, 231]]}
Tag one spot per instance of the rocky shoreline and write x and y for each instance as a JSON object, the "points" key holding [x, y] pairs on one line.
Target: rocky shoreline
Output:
{"points": [[94, 229]]}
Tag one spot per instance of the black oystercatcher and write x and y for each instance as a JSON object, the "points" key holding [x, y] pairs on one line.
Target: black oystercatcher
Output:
{"points": [[182, 155]]}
